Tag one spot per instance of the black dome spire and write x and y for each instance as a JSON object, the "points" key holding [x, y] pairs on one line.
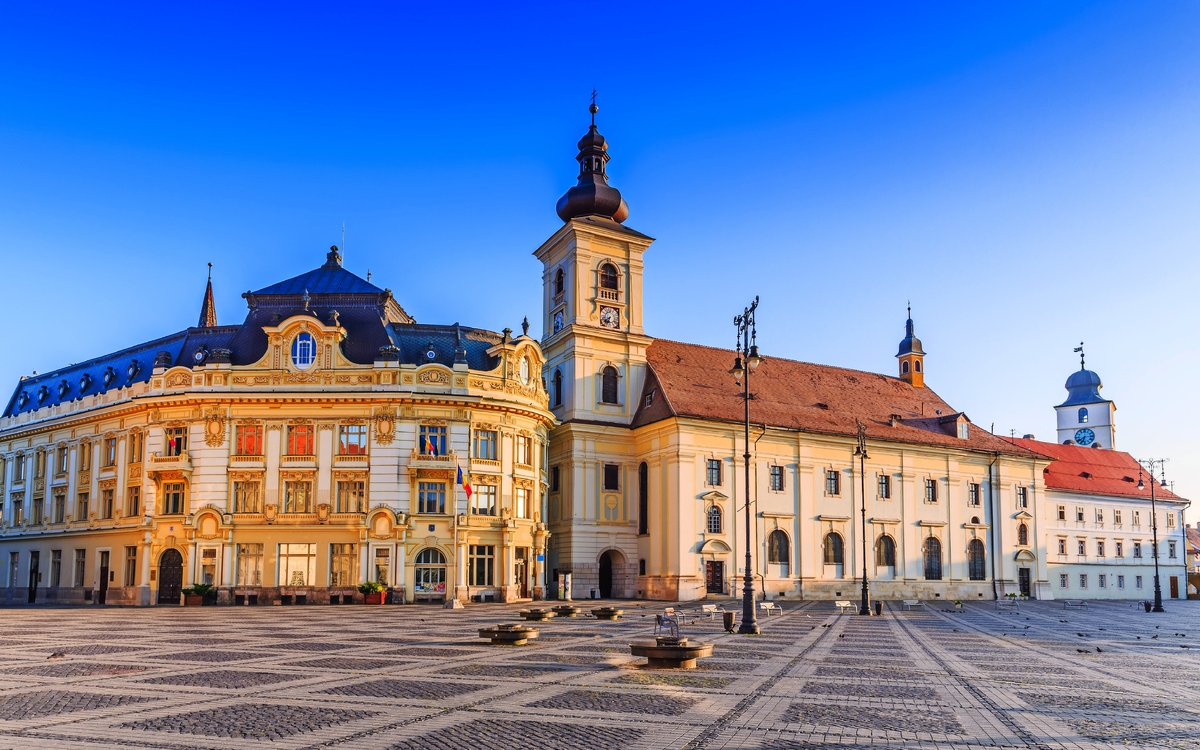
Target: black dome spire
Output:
{"points": [[593, 196]]}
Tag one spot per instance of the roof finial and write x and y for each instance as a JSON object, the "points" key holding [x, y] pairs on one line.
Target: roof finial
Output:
{"points": [[910, 309], [593, 109], [1079, 350], [210, 270]]}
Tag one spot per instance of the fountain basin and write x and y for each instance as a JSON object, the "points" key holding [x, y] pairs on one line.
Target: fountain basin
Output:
{"points": [[566, 610], [607, 613], [509, 634], [536, 614], [668, 652]]}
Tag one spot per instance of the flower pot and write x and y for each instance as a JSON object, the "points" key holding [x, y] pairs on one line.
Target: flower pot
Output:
{"points": [[193, 600], [376, 598]]}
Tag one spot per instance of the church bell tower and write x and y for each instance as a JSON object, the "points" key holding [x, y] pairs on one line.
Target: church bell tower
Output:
{"points": [[911, 356]]}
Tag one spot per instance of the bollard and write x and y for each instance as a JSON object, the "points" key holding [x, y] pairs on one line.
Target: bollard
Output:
{"points": [[878, 609], [728, 617]]}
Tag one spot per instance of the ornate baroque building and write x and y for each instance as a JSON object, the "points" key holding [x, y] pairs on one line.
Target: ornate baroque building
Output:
{"points": [[317, 445]]}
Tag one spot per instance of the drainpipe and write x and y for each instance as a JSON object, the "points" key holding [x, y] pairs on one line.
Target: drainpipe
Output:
{"points": [[992, 536]]}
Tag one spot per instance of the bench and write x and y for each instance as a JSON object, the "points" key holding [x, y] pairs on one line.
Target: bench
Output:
{"points": [[1075, 604], [845, 605], [910, 604], [1008, 604], [712, 610], [670, 612], [770, 607]]}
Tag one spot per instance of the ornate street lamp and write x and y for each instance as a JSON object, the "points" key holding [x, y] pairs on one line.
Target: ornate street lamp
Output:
{"points": [[1150, 463], [864, 607], [747, 350]]}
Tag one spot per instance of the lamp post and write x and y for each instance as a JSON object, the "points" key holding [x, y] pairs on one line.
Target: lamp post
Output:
{"points": [[864, 607], [1150, 463], [747, 349]]}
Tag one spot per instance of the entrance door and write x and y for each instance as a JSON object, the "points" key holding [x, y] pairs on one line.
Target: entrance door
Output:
{"points": [[35, 557], [103, 593], [1023, 581], [170, 577], [714, 577], [1174, 585], [606, 575]]}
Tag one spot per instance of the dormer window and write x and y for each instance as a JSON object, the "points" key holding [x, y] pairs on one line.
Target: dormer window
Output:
{"points": [[1083, 415], [964, 431], [304, 351], [608, 276]]}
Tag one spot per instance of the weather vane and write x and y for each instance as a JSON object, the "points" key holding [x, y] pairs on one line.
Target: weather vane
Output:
{"points": [[1079, 351]]}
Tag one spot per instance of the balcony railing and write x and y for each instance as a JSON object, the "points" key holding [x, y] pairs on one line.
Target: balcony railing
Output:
{"points": [[424, 459]]}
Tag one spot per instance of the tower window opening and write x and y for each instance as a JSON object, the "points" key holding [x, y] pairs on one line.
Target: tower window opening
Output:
{"points": [[904, 368], [558, 388], [560, 281], [608, 276], [1083, 415], [916, 365], [608, 390]]}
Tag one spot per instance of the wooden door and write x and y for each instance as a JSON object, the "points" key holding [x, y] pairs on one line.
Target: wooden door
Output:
{"points": [[714, 577], [103, 593], [1174, 587], [170, 577], [35, 559]]}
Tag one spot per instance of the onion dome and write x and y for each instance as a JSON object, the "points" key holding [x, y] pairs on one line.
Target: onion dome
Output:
{"points": [[592, 195], [1083, 387], [910, 344]]}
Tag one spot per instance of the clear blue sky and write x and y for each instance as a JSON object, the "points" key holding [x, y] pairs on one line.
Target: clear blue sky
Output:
{"points": [[1028, 174]]}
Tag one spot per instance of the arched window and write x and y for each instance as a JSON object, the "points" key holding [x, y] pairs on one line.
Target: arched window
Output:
{"points": [[1022, 534], [560, 281], [643, 498], [833, 549], [904, 367], [778, 549], [975, 560], [933, 559], [304, 351], [916, 365], [430, 573], [608, 276], [715, 525], [608, 389], [1083, 415], [885, 552], [558, 388]]}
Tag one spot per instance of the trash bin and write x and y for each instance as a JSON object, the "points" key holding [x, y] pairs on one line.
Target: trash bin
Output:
{"points": [[593, 593], [728, 617], [1147, 606], [878, 609]]}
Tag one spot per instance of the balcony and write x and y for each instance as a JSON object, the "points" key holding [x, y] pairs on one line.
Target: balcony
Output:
{"points": [[160, 464], [418, 460], [485, 464], [351, 458]]}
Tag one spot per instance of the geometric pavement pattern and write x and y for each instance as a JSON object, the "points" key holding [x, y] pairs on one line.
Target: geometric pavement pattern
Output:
{"points": [[419, 678]]}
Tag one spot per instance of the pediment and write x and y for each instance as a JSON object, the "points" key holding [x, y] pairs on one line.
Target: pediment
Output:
{"points": [[714, 547]]}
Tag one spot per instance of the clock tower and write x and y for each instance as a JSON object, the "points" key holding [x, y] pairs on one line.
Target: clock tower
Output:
{"points": [[1086, 417]]}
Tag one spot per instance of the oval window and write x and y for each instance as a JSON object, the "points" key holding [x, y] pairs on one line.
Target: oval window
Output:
{"points": [[304, 351]]}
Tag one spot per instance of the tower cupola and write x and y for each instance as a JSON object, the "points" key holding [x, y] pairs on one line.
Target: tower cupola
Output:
{"points": [[592, 195], [911, 356], [1086, 417]]}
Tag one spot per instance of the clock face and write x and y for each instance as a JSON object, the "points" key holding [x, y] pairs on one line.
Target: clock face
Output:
{"points": [[609, 317], [1085, 436], [558, 321]]}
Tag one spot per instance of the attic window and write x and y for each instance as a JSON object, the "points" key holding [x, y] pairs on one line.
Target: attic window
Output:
{"points": [[650, 397], [820, 405], [304, 351], [964, 431], [1085, 474]]}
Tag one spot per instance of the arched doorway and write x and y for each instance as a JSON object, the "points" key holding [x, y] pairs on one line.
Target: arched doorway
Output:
{"points": [[606, 575], [170, 577], [429, 583]]}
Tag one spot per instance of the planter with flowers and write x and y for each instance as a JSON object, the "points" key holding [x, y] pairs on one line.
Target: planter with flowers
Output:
{"points": [[199, 594], [373, 592]]}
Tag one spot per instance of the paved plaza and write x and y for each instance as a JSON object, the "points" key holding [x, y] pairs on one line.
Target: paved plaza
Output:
{"points": [[417, 678]]}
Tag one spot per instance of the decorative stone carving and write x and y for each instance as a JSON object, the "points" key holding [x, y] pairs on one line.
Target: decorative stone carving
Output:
{"points": [[485, 478], [176, 379], [434, 377], [385, 426], [323, 512], [214, 428], [270, 510]]}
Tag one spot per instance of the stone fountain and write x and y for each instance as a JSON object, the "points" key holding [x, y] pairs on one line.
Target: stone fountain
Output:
{"points": [[671, 652], [536, 614], [509, 634]]}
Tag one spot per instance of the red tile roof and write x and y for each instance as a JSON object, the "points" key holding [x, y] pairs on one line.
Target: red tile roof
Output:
{"points": [[689, 380], [1093, 470]]}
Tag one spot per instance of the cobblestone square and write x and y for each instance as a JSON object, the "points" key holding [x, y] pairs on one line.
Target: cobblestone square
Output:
{"points": [[414, 678]]}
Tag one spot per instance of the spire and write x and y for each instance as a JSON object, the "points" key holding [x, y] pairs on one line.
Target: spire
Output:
{"points": [[208, 310], [592, 195]]}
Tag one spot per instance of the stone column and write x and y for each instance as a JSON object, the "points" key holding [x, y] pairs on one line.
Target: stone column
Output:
{"points": [[144, 572], [460, 574]]}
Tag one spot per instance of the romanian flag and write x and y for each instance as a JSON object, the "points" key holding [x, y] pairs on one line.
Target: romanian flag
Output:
{"points": [[465, 485], [429, 446]]}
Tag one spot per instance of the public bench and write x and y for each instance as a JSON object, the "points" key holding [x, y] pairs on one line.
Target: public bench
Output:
{"points": [[910, 604], [845, 605], [1075, 604], [1008, 604], [770, 607]]}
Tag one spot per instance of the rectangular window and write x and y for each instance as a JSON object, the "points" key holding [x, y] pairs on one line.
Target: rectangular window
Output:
{"points": [[1137, 518], [1083, 580], [39, 464], [1062, 546], [110, 452], [130, 566], [1172, 552], [1120, 582], [85, 457], [60, 507], [833, 482], [1082, 547], [300, 440], [80, 562], [777, 479], [1062, 512], [60, 461], [433, 440], [249, 564], [1100, 548], [106, 503], [208, 566], [351, 497], [133, 501], [973, 494], [383, 566], [1117, 517], [39, 514], [485, 444], [81, 506], [481, 565], [1170, 520], [176, 441], [612, 477], [931, 488], [554, 479], [431, 497], [173, 502], [55, 568], [1062, 580], [352, 440], [1137, 549], [522, 500], [1137, 581], [1079, 514], [19, 469], [297, 564], [524, 450], [1120, 549], [249, 440], [246, 497], [713, 476], [483, 500], [1022, 497], [18, 510], [343, 558], [1100, 516], [297, 497], [136, 441], [1102, 581]]}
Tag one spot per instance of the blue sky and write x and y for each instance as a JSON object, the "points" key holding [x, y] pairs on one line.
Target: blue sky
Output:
{"points": [[1028, 174]]}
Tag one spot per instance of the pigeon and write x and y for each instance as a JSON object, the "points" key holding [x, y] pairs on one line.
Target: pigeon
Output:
{"points": [[1027, 627], [1098, 651], [1081, 635], [1102, 628], [1183, 645], [1154, 637], [1062, 620], [56, 655], [841, 635], [1139, 638], [1083, 650], [956, 630]]}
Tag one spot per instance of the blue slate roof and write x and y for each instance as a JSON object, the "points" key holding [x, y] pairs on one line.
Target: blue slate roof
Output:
{"points": [[330, 278]]}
